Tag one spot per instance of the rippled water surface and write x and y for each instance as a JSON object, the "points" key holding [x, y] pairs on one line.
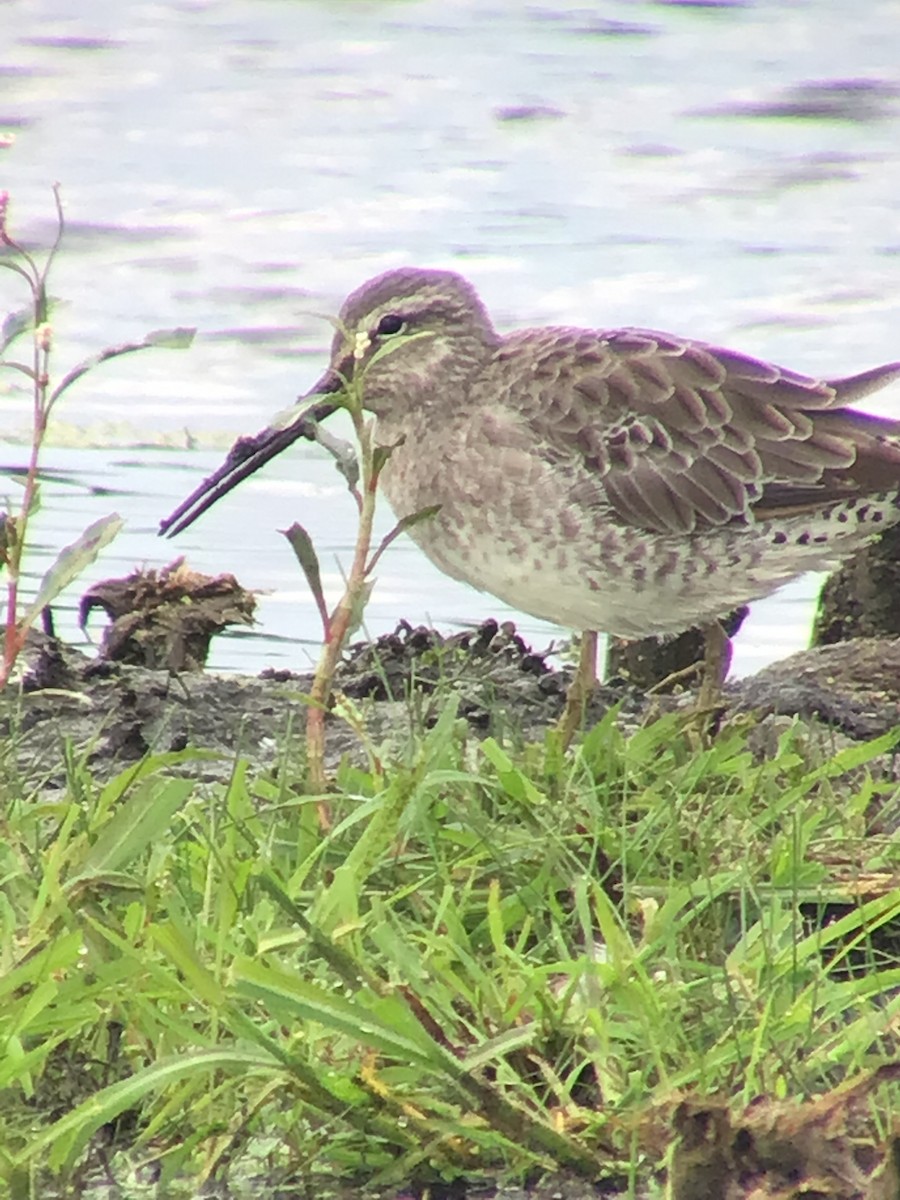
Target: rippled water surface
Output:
{"points": [[729, 171]]}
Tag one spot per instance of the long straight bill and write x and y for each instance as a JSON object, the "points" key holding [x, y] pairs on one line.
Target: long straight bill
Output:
{"points": [[245, 457]]}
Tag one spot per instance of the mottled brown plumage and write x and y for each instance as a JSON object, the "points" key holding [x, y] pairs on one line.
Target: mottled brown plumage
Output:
{"points": [[622, 480]]}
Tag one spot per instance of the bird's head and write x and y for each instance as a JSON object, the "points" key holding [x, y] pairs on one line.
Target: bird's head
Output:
{"points": [[405, 340]]}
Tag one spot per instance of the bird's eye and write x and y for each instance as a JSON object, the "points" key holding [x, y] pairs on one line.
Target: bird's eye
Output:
{"points": [[390, 323]]}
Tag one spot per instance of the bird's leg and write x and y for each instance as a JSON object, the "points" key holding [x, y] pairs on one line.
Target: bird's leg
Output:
{"points": [[716, 661], [581, 687]]}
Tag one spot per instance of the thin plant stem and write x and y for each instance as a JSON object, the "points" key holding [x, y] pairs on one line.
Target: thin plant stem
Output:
{"points": [[72, 559], [42, 340], [342, 618]]}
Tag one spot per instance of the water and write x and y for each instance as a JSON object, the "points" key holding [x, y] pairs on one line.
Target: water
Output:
{"points": [[729, 171]]}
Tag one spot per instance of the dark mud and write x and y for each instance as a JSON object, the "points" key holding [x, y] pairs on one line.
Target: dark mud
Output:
{"points": [[114, 713]]}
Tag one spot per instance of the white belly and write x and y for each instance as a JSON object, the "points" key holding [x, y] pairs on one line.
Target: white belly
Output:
{"points": [[671, 585]]}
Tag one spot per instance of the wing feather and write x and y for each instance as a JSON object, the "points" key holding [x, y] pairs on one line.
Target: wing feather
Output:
{"points": [[680, 436]]}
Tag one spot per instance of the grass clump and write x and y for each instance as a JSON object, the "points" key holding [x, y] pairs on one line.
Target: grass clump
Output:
{"points": [[489, 964]]}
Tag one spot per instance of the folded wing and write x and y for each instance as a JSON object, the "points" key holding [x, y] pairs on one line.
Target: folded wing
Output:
{"points": [[680, 436]]}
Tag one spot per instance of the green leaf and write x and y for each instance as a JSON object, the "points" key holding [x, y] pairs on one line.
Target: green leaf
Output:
{"points": [[180, 338], [71, 562], [393, 345], [59, 955], [380, 455], [402, 525], [149, 765], [513, 780], [302, 546], [134, 826], [497, 1047], [423, 514], [168, 339], [8, 265], [285, 418], [15, 325], [175, 942], [67, 1137], [7, 537], [857, 755], [105, 881], [283, 992]]}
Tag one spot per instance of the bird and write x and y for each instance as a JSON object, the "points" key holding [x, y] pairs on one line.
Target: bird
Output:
{"points": [[623, 480]]}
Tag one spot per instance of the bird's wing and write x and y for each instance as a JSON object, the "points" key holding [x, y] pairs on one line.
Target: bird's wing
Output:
{"points": [[678, 436]]}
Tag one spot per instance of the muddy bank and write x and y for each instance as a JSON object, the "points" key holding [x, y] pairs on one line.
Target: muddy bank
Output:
{"points": [[114, 713]]}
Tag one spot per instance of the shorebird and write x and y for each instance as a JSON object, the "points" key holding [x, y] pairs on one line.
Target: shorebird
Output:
{"points": [[621, 480]]}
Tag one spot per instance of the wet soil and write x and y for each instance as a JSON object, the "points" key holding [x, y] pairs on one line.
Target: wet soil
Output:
{"points": [[113, 713]]}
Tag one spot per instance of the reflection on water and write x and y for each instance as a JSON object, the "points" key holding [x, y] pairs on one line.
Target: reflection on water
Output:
{"points": [[728, 170], [831, 100]]}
